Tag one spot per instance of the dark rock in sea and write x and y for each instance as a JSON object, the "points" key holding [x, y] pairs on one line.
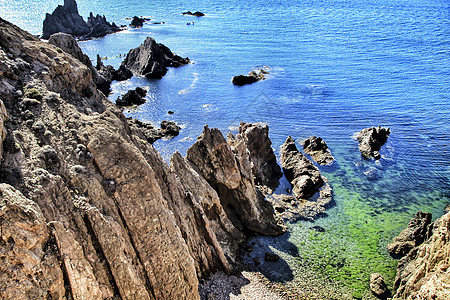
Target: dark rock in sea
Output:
{"points": [[170, 128], [304, 177], [378, 286], [257, 261], [417, 231], [108, 74], [317, 228], [265, 168], [318, 150], [371, 139], [150, 133], [196, 14], [152, 59], [170, 112], [270, 256], [132, 97], [66, 19], [138, 22], [252, 77]]}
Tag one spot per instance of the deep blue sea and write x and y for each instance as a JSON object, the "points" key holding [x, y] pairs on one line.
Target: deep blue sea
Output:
{"points": [[336, 67]]}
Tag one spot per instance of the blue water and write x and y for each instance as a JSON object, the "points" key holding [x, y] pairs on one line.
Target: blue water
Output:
{"points": [[336, 67]]}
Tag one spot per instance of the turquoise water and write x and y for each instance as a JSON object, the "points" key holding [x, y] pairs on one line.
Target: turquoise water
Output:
{"points": [[336, 67]]}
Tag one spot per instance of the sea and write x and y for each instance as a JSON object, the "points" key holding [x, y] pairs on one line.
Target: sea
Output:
{"points": [[335, 68]]}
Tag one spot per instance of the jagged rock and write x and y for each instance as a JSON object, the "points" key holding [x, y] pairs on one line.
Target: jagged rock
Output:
{"points": [[411, 236], [252, 77], [170, 129], [371, 139], [227, 169], [152, 60], [318, 150], [378, 286], [3, 119], [107, 74], [196, 14], [99, 27], [66, 19], [30, 267], [304, 177], [132, 97], [269, 256], [424, 272], [264, 164]]}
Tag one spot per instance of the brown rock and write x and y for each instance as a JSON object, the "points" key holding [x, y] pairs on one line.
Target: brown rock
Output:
{"points": [[423, 273], [378, 285], [411, 236], [371, 139], [318, 150], [3, 119], [269, 256]]}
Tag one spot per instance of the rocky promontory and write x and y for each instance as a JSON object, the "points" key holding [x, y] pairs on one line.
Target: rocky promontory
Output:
{"points": [[90, 210], [66, 19]]}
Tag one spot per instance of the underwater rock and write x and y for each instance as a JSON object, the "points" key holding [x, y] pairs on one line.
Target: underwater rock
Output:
{"points": [[371, 139], [152, 59], [270, 256], [318, 150]]}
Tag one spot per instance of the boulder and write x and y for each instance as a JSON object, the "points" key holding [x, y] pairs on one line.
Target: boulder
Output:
{"points": [[152, 59], [170, 129], [378, 286], [371, 139], [265, 168], [138, 22], [132, 97], [318, 150], [305, 178], [423, 272], [412, 236], [66, 19]]}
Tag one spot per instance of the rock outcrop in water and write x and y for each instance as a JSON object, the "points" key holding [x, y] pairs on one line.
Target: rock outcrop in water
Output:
{"points": [[424, 272], [66, 19], [132, 97], [318, 150], [152, 59], [252, 77], [371, 139], [90, 210]]}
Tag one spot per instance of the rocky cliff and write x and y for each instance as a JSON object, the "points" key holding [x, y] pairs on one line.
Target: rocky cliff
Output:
{"points": [[424, 272], [89, 209]]}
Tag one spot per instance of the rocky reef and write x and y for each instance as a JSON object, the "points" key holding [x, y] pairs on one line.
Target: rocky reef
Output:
{"points": [[371, 139], [423, 271], [90, 210], [66, 19], [152, 59]]}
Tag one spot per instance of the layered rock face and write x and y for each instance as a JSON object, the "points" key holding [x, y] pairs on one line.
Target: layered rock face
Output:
{"points": [[89, 209], [371, 139], [66, 19], [152, 59], [424, 272]]}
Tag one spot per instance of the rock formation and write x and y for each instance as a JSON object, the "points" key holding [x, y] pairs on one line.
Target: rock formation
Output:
{"points": [[132, 97], [264, 164], [306, 181], [66, 19], [378, 286], [196, 14], [371, 139], [252, 77], [412, 236], [318, 150], [90, 210], [152, 59], [3, 119], [424, 272], [138, 22]]}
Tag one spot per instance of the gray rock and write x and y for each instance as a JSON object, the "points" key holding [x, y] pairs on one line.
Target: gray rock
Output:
{"points": [[318, 150], [371, 139]]}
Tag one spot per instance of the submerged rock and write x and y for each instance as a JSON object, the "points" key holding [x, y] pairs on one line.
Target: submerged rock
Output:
{"points": [[378, 286], [152, 60], [318, 150], [411, 236], [371, 139], [423, 272]]}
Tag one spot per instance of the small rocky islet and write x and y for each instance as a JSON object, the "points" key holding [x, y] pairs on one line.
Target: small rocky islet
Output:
{"points": [[85, 179]]}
